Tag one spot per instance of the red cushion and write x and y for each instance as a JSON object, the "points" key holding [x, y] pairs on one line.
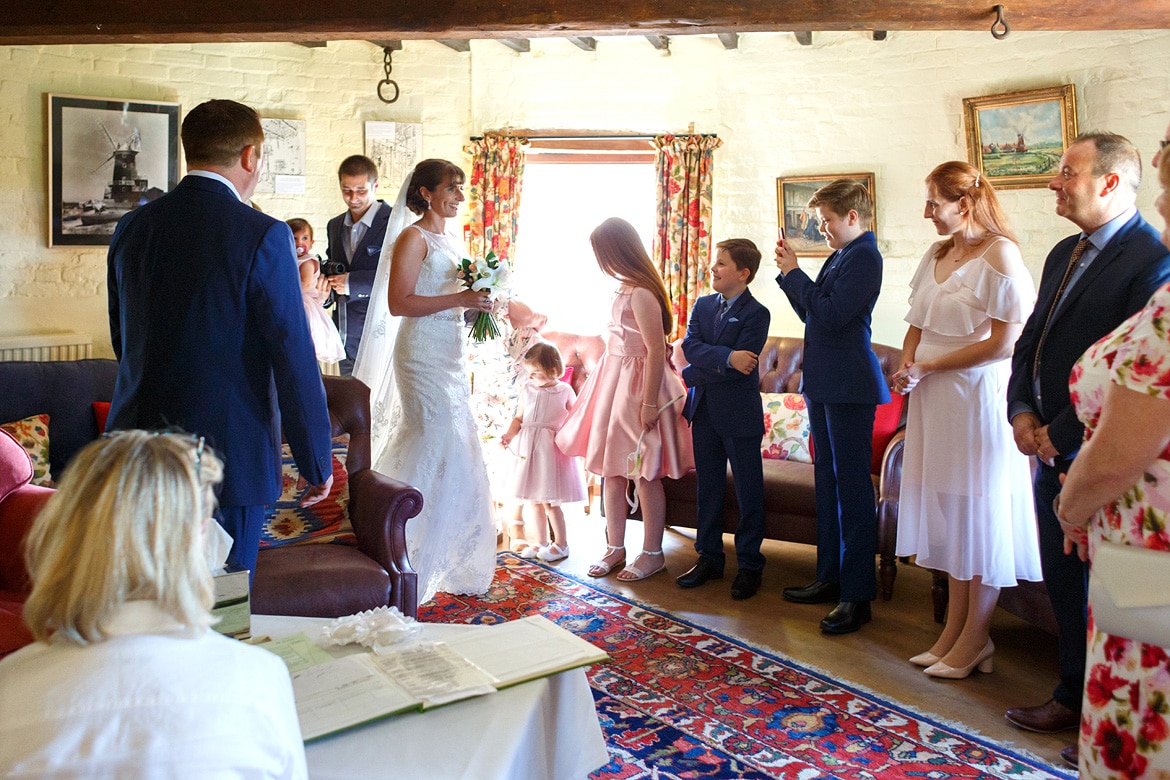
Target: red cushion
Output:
{"points": [[885, 425], [101, 412], [15, 467], [567, 377]]}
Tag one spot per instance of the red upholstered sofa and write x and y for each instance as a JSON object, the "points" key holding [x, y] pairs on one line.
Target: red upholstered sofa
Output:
{"points": [[19, 504], [789, 498]]}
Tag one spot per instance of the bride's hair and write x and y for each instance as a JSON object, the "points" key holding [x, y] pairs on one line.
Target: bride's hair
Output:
{"points": [[432, 174], [621, 254]]}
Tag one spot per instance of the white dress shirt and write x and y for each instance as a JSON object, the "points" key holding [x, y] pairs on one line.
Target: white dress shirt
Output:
{"points": [[151, 701]]}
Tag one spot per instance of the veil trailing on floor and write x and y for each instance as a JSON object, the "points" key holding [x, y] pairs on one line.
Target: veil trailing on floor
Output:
{"points": [[373, 364]]}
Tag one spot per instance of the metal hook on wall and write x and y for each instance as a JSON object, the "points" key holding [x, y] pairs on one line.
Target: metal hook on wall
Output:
{"points": [[1000, 28], [387, 65]]}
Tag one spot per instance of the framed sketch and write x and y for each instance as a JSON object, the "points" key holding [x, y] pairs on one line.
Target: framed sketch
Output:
{"points": [[1016, 139], [395, 147], [801, 230], [284, 157], [107, 156]]}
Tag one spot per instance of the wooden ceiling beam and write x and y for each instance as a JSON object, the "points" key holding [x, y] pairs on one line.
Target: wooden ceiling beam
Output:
{"points": [[193, 21]]}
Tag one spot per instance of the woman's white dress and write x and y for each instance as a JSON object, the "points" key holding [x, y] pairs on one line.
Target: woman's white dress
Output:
{"points": [[966, 501], [431, 440]]}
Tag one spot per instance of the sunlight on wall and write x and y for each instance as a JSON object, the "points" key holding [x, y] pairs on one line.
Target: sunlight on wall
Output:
{"points": [[556, 272]]}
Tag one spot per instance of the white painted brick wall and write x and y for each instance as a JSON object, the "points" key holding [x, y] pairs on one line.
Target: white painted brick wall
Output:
{"points": [[846, 104]]}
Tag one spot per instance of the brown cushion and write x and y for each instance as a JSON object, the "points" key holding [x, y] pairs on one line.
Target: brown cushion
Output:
{"points": [[317, 580]]}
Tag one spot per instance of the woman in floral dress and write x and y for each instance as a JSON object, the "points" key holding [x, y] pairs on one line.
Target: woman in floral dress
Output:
{"points": [[1118, 490]]}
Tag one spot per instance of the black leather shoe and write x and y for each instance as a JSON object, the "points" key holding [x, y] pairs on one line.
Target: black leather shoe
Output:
{"points": [[703, 570], [746, 584], [816, 593], [846, 617]]}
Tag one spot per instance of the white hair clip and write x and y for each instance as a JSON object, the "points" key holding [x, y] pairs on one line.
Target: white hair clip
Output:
{"points": [[976, 180]]}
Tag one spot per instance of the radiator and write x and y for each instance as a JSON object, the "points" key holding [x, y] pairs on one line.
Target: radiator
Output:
{"points": [[46, 346]]}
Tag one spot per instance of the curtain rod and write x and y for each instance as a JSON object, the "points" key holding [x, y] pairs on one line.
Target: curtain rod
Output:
{"points": [[634, 137]]}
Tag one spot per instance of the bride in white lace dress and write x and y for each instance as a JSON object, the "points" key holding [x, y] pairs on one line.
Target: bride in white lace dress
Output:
{"points": [[411, 357]]}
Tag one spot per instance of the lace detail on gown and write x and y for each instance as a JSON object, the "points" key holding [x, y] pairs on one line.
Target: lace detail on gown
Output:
{"points": [[432, 442]]}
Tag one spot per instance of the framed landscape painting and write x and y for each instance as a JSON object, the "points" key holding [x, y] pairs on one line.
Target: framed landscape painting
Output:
{"points": [[107, 156], [799, 222], [1016, 139]]}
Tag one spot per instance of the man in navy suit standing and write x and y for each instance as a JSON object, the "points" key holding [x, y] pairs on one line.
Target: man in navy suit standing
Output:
{"points": [[209, 328], [1091, 283], [355, 245], [842, 383], [725, 334]]}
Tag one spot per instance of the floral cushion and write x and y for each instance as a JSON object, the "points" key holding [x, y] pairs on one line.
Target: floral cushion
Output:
{"points": [[33, 434], [286, 522], [787, 435]]}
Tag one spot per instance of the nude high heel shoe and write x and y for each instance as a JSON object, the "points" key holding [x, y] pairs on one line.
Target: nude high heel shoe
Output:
{"points": [[984, 662], [925, 659]]}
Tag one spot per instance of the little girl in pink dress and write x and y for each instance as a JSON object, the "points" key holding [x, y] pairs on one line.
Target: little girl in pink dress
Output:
{"points": [[326, 339], [627, 422], [543, 476]]}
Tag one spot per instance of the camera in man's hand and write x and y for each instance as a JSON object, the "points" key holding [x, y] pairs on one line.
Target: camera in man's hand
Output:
{"points": [[333, 268]]}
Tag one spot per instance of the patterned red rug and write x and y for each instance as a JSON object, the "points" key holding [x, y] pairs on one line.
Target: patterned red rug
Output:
{"points": [[678, 701]]}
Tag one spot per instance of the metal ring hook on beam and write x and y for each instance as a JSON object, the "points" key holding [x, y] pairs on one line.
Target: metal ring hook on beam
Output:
{"points": [[1000, 28], [382, 97]]}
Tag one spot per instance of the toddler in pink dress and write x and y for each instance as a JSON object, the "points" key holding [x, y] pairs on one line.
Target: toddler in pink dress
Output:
{"points": [[326, 339], [543, 477], [627, 422]]}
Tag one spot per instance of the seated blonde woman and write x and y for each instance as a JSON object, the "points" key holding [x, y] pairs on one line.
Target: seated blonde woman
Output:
{"points": [[126, 679]]}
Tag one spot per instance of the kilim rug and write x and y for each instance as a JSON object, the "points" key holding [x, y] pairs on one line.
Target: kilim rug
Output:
{"points": [[678, 701]]}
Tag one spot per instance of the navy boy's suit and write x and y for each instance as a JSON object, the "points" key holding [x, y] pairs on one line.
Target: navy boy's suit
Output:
{"points": [[843, 383], [1118, 282], [727, 423], [361, 267], [209, 328]]}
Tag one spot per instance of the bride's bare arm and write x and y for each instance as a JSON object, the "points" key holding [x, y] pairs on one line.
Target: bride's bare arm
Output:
{"points": [[409, 252]]}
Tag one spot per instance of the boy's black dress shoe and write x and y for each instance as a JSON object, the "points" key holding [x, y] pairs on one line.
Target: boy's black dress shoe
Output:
{"points": [[846, 617], [816, 593], [703, 570], [746, 584]]}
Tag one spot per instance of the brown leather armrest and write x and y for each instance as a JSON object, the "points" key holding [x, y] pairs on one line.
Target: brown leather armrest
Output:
{"points": [[378, 509]]}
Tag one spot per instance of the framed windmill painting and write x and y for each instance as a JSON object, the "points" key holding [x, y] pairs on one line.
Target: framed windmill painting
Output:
{"points": [[107, 156], [1016, 139]]}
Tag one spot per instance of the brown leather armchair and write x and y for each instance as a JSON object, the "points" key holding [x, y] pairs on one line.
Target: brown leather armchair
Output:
{"points": [[331, 580]]}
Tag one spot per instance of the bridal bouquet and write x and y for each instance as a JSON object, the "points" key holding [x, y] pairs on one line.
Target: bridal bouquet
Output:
{"points": [[490, 273]]}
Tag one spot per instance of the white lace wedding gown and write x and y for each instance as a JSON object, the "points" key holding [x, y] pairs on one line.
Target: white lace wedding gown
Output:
{"points": [[432, 442]]}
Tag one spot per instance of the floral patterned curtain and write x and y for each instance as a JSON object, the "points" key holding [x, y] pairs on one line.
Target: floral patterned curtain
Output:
{"points": [[496, 172], [682, 241]]}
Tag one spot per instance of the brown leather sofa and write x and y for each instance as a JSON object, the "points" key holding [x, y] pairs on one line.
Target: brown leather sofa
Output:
{"points": [[789, 498]]}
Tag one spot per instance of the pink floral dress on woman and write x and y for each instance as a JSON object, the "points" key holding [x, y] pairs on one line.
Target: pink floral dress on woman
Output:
{"points": [[1125, 730]]}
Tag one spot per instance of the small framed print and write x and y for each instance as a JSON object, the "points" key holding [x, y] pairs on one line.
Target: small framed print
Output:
{"points": [[799, 222]]}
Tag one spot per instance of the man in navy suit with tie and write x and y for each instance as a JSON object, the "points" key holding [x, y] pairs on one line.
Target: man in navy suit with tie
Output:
{"points": [[725, 334], [208, 324], [843, 384], [1091, 283], [355, 244]]}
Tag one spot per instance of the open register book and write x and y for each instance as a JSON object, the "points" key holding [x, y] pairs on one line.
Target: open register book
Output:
{"points": [[339, 693]]}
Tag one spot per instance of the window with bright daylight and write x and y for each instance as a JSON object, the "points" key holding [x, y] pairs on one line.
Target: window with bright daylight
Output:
{"points": [[566, 194]]}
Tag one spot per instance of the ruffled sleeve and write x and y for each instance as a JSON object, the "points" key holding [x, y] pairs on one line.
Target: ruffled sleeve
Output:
{"points": [[1002, 297], [922, 293], [974, 294]]}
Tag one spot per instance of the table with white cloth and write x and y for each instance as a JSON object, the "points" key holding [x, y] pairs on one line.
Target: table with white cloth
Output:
{"points": [[545, 729]]}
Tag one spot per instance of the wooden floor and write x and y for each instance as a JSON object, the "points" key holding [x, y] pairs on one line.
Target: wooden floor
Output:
{"points": [[875, 657]]}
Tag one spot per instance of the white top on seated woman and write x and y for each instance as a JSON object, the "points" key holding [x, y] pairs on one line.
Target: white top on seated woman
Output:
{"points": [[126, 679]]}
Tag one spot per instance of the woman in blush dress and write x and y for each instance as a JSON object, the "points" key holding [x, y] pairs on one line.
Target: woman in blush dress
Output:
{"points": [[1118, 491], [627, 423], [411, 358], [966, 502]]}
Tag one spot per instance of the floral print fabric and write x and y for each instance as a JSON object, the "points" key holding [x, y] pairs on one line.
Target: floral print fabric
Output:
{"points": [[497, 172], [682, 240], [1125, 731]]}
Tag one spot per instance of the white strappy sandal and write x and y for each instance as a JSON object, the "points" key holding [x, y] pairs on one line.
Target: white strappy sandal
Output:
{"points": [[636, 574], [602, 567]]}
